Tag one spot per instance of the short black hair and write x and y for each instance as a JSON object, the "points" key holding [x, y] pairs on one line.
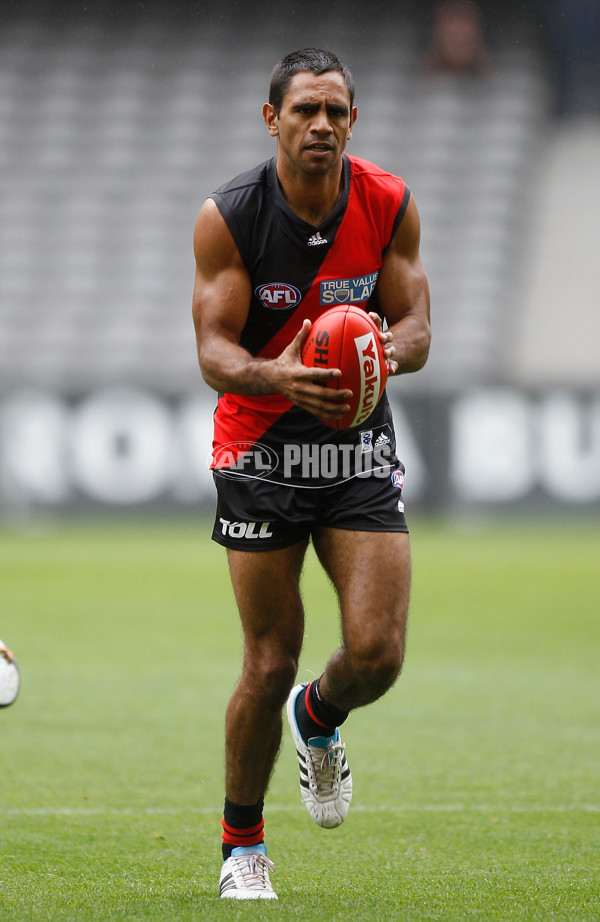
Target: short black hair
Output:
{"points": [[316, 61]]}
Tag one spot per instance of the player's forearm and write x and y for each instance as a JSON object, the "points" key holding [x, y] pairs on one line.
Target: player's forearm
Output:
{"points": [[230, 369], [412, 338]]}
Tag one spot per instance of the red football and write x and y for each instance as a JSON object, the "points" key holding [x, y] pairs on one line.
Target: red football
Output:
{"points": [[345, 337]]}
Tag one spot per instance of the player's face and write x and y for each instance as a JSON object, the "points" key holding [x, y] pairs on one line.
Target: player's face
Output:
{"points": [[314, 123]]}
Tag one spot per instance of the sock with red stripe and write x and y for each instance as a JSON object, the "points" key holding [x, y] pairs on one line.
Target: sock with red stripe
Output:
{"points": [[242, 826], [315, 715]]}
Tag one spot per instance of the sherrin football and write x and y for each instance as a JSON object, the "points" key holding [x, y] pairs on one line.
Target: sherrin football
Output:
{"points": [[345, 337]]}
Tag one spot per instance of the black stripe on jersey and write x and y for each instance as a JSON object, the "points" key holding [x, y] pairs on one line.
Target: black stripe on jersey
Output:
{"points": [[400, 215], [272, 240]]}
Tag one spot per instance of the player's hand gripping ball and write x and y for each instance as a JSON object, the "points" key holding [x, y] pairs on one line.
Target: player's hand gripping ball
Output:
{"points": [[9, 676], [345, 337]]}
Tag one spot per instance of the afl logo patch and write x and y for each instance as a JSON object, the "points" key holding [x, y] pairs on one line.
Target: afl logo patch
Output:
{"points": [[278, 296], [398, 479]]}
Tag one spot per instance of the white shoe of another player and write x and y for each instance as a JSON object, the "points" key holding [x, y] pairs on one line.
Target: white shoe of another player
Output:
{"points": [[9, 676], [325, 779], [245, 875]]}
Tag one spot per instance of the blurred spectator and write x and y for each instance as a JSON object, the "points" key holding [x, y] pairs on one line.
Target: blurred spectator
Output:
{"points": [[574, 38], [457, 40]]}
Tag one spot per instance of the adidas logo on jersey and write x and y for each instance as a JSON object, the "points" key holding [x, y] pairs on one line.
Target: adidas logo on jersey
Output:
{"points": [[316, 240], [382, 440]]}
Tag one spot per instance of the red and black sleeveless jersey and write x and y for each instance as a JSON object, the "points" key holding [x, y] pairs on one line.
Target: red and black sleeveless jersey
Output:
{"points": [[297, 271]]}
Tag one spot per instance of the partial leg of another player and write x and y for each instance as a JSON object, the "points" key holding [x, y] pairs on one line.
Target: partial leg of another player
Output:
{"points": [[371, 573], [266, 587], [9, 676]]}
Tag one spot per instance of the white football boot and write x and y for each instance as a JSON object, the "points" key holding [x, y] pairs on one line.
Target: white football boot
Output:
{"points": [[325, 779], [245, 875]]}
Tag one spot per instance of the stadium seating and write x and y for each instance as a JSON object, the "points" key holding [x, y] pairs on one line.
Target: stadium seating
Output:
{"points": [[112, 134]]}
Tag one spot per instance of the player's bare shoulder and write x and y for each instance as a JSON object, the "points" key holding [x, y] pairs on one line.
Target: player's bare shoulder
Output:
{"points": [[214, 246]]}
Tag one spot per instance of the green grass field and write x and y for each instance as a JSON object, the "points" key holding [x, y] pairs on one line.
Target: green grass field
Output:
{"points": [[476, 780]]}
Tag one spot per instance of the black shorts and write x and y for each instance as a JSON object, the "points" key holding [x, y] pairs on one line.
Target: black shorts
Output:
{"points": [[258, 515]]}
